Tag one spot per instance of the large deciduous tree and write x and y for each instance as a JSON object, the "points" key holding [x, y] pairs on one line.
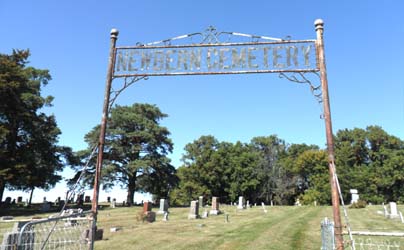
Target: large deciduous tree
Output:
{"points": [[371, 161], [29, 154], [136, 148]]}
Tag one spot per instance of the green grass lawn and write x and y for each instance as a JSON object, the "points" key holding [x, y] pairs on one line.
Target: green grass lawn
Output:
{"points": [[282, 227]]}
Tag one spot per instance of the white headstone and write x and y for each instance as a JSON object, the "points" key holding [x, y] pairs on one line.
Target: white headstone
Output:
{"points": [[113, 203], [240, 202], [263, 207], [393, 210], [248, 204], [354, 195], [205, 214], [163, 206]]}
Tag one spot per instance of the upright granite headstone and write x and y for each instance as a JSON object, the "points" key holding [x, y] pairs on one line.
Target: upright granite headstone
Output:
{"points": [[200, 200], [19, 199], [7, 201], [248, 204], [240, 202], [109, 199], [150, 216], [194, 210], [393, 210], [163, 206], [87, 199], [45, 205], [215, 206], [147, 206]]}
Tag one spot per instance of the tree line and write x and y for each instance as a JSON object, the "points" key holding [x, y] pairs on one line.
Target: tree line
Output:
{"points": [[136, 153]]}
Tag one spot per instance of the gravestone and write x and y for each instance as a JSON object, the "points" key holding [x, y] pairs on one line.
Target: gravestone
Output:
{"points": [[80, 200], [401, 217], [109, 199], [215, 206], [45, 206], [194, 210], [165, 217], [200, 200], [205, 214], [147, 207], [354, 195], [263, 207], [163, 206], [113, 203], [7, 201], [248, 204], [240, 202], [393, 210], [19, 199], [61, 204], [87, 199]]}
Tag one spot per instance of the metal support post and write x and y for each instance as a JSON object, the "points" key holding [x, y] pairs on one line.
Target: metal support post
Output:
{"points": [[319, 25], [111, 63]]}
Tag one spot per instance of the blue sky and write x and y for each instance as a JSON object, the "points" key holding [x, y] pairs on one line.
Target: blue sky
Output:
{"points": [[363, 45]]}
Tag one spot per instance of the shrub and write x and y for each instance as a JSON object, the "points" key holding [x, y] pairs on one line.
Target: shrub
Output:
{"points": [[358, 204]]}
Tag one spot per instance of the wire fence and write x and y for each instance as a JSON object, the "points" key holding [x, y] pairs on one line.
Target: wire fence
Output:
{"points": [[67, 232], [363, 241]]}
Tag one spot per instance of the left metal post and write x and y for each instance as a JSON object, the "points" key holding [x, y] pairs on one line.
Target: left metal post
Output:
{"points": [[104, 120]]}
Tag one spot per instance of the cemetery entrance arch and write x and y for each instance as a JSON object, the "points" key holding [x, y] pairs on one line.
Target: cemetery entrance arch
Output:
{"points": [[292, 59]]}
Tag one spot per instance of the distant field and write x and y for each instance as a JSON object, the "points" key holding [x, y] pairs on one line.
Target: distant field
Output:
{"points": [[282, 227]]}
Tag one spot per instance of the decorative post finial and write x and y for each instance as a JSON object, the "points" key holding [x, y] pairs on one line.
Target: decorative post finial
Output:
{"points": [[114, 33], [319, 24]]}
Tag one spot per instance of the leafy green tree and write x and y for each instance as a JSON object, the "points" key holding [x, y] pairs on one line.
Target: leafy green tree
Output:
{"points": [[218, 169], [312, 167], [298, 184], [199, 175], [275, 182], [241, 172], [136, 148], [371, 161], [29, 155]]}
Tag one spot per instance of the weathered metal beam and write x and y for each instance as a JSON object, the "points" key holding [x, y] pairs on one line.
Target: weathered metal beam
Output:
{"points": [[319, 25], [104, 119]]}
